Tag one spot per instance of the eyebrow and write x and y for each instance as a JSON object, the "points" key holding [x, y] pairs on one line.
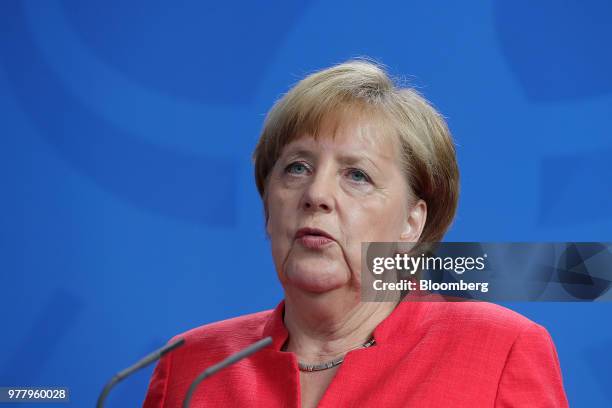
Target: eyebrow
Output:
{"points": [[345, 158], [353, 160], [300, 152]]}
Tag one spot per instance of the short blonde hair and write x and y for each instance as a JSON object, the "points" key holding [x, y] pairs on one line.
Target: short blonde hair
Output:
{"points": [[427, 150]]}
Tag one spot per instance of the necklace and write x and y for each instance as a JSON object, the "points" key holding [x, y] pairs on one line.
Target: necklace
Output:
{"points": [[332, 363]]}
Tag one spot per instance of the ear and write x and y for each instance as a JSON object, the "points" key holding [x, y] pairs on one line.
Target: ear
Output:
{"points": [[267, 222], [417, 215], [267, 225], [266, 213]]}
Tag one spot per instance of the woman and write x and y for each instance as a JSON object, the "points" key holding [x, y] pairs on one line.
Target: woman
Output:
{"points": [[345, 157]]}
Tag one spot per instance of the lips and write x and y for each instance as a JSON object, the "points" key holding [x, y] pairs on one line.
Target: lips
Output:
{"points": [[313, 238], [312, 231]]}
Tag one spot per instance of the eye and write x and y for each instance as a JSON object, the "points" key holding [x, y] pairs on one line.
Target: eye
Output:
{"points": [[358, 176], [296, 168]]}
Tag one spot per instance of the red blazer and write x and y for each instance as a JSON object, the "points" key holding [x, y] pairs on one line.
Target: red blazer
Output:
{"points": [[427, 354]]}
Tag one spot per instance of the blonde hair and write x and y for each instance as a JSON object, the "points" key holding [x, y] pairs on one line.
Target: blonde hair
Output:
{"points": [[427, 153]]}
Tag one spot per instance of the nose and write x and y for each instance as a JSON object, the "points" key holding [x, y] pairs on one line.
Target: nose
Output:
{"points": [[319, 194]]}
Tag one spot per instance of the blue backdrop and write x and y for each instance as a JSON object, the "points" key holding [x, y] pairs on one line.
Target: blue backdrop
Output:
{"points": [[129, 211]]}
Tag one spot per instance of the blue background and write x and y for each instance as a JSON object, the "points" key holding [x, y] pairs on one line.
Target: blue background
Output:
{"points": [[129, 211]]}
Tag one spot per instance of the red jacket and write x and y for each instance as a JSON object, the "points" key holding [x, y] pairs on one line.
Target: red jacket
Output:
{"points": [[427, 354]]}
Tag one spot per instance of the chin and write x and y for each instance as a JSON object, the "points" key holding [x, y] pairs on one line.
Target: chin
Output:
{"points": [[317, 281]]}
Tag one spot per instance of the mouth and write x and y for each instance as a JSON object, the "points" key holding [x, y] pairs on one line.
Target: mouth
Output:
{"points": [[313, 238]]}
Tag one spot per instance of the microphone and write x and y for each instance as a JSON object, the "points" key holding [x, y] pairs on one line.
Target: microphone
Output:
{"points": [[253, 348], [154, 356]]}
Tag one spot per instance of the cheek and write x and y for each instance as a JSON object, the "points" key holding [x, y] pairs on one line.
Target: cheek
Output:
{"points": [[376, 220], [279, 205], [370, 221], [279, 245], [281, 220], [275, 225], [360, 223]]}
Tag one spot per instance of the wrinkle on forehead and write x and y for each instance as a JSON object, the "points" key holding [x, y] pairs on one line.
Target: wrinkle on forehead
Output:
{"points": [[368, 126]]}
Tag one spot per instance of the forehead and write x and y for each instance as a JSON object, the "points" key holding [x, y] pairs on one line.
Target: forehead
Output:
{"points": [[354, 133]]}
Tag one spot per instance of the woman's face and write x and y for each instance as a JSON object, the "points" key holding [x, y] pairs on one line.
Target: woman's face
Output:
{"points": [[350, 187]]}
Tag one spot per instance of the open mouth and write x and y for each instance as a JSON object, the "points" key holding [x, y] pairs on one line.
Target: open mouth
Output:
{"points": [[313, 238]]}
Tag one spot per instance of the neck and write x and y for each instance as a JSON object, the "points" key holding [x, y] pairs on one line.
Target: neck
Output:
{"points": [[326, 326]]}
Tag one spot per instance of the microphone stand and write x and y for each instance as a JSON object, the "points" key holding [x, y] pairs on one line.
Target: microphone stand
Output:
{"points": [[154, 356]]}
